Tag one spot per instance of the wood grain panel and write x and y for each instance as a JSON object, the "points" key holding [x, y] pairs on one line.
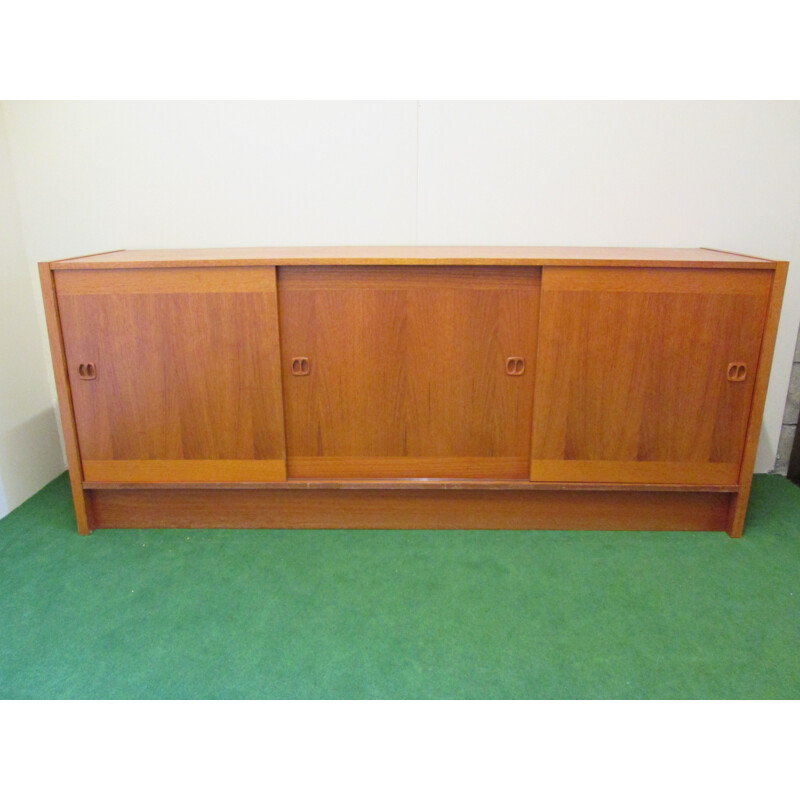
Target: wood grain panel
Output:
{"points": [[185, 470], [738, 508], [685, 473], [468, 509], [403, 467], [65, 406], [410, 368], [420, 255], [183, 375], [231, 280], [673, 281], [423, 484], [640, 376], [393, 277]]}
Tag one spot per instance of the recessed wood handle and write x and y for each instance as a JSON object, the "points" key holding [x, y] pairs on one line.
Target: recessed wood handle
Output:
{"points": [[301, 366], [737, 371], [515, 366], [87, 372]]}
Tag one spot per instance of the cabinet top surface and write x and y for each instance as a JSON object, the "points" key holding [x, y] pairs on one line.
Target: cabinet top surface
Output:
{"points": [[410, 255]]}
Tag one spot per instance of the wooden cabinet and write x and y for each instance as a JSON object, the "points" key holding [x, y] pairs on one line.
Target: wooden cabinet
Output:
{"points": [[413, 387]]}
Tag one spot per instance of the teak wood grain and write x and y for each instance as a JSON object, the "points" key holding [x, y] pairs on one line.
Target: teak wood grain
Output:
{"points": [[632, 380], [184, 470], [385, 508], [412, 256], [408, 371], [188, 373], [738, 507], [423, 484], [66, 410], [452, 387]]}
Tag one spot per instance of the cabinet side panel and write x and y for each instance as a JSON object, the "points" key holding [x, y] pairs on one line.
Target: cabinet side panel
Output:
{"points": [[738, 505], [64, 398]]}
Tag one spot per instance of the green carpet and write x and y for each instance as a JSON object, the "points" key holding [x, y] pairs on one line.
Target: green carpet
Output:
{"points": [[399, 614]]}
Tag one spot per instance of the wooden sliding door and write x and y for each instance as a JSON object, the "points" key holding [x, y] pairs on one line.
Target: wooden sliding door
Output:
{"points": [[174, 373], [646, 375], [408, 372]]}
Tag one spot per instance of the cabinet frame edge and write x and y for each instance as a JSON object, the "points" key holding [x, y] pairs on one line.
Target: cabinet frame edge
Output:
{"points": [[737, 511], [64, 395]]}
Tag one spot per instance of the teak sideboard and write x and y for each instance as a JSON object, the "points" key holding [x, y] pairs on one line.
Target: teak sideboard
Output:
{"points": [[413, 387]]}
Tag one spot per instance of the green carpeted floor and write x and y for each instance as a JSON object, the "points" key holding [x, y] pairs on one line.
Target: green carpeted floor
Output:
{"points": [[399, 614]]}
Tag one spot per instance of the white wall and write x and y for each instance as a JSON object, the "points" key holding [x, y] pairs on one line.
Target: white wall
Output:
{"points": [[30, 448], [101, 176]]}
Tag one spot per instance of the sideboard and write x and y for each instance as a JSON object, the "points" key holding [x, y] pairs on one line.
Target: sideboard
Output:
{"points": [[413, 387]]}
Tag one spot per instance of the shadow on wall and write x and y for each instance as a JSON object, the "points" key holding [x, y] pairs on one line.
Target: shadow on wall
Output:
{"points": [[30, 457]]}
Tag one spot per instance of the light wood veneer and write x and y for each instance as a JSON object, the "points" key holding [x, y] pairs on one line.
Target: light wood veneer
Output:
{"points": [[450, 387]]}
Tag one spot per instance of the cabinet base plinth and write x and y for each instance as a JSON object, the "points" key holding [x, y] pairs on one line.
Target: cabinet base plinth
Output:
{"points": [[409, 508]]}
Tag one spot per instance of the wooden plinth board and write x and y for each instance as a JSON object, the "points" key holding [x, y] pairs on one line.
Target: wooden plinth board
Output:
{"points": [[522, 509]]}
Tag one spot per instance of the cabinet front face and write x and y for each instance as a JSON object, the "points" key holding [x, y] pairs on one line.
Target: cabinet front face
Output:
{"points": [[174, 373], [408, 372], [646, 375]]}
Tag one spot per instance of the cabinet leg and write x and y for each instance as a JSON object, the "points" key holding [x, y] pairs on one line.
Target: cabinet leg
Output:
{"points": [[82, 510], [737, 511]]}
